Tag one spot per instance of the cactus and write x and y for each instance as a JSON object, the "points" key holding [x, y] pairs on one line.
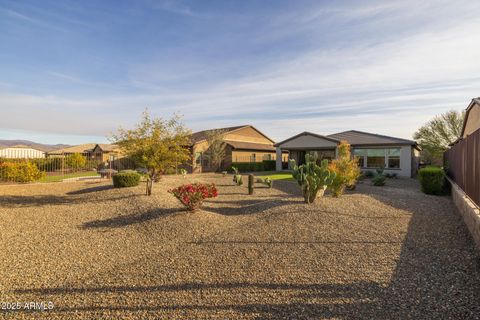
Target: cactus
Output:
{"points": [[313, 179], [237, 177], [251, 179], [267, 181]]}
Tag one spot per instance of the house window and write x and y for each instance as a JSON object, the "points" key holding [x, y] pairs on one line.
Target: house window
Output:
{"points": [[376, 158], [360, 154], [267, 157], [393, 158], [253, 157]]}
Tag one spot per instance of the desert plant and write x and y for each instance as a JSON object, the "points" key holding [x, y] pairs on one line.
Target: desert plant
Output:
{"points": [[238, 180], [237, 177], [312, 179], [155, 144], [267, 181], [346, 170], [378, 180], [192, 195], [126, 179], [380, 170], [251, 181], [369, 174], [432, 180], [182, 172]]}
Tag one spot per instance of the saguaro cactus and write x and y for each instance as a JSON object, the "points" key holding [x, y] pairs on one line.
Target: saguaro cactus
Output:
{"points": [[313, 179], [251, 181]]}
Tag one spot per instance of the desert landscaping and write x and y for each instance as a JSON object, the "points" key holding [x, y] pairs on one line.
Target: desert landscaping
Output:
{"points": [[100, 252]]}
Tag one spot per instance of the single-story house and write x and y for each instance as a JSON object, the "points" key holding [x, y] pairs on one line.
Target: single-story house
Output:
{"points": [[93, 151], [21, 152], [397, 155], [243, 144]]}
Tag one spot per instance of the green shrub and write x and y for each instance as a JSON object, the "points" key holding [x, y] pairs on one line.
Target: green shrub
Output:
{"points": [[432, 180], [380, 170], [269, 165], [378, 180], [126, 179], [20, 172], [369, 174]]}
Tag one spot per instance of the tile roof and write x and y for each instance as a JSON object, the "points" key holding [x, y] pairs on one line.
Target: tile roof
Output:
{"points": [[250, 146], [202, 135], [355, 137], [81, 148]]}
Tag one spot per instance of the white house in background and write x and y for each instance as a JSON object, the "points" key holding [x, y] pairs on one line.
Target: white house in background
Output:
{"points": [[21, 152], [397, 155]]}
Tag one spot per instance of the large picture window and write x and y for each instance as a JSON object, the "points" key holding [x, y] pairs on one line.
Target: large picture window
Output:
{"points": [[376, 158], [360, 154]]}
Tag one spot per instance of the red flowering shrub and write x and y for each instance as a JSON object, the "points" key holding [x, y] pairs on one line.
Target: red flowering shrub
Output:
{"points": [[192, 195]]}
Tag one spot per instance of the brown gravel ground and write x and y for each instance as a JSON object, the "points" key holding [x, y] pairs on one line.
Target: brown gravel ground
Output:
{"points": [[101, 253]]}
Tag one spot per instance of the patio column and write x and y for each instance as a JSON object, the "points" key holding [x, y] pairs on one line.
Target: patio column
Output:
{"points": [[278, 164]]}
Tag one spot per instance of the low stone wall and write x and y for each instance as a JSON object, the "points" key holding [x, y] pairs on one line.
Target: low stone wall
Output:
{"points": [[469, 211]]}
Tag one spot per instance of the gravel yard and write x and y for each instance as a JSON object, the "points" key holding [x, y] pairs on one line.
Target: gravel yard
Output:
{"points": [[96, 252]]}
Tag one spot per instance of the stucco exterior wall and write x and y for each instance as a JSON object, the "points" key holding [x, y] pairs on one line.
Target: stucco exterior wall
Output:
{"points": [[472, 123]]}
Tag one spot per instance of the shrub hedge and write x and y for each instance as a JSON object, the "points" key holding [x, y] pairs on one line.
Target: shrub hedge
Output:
{"points": [[20, 172], [432, 180], [265, 165], [125, 179]]}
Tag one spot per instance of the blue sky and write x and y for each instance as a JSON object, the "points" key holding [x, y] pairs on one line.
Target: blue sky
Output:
{"points": [[74, 71]]}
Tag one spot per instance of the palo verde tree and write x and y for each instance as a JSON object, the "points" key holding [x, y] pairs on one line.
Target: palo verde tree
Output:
{"points": [[216, 148], [155, 144], [435, 136]]}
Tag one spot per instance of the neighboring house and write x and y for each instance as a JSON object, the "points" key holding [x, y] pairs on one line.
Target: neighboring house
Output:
{"points": [[21, 152], [93, 151], [471, 123], [243, 144], [397, 155]]}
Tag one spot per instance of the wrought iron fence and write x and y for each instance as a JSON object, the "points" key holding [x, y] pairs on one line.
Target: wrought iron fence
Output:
{"points": [[59, 167], [462, 161]]}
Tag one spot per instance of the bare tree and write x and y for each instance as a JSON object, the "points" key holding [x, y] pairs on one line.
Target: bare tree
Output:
{"points": [[216, 148]]}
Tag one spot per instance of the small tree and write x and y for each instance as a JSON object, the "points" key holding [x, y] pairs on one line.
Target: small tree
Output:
{"points": [[435, 136], [75, 161], [156, 144], [216, 148], [345, 168]]}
